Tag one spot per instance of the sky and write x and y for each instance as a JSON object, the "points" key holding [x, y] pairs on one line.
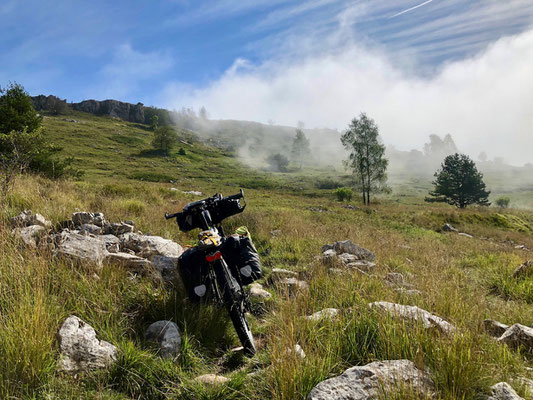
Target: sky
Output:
{"points": [[417, 67]]}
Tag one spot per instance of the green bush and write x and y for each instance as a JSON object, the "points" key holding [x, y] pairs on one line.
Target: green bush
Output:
{"points": [[344, 194], [503, 202], [328, 184]]}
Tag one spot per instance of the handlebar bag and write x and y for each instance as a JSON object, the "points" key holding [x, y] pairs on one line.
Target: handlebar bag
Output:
{"points": [[225, 208], [242, 258], [194, 273]]}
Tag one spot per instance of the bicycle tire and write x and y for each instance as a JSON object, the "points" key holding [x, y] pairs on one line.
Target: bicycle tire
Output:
{"points": [[238, 317]]}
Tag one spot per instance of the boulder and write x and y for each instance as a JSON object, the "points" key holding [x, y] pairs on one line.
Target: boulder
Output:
{"points": [[326, 313], [465, 235], [414, 313], [494, 328], [258, 293], [363, 266], [81, 248], [293, 285], [211, 379], [280, 273], [132, 262], [81, 218], [79, 348], [503, 391], [375, 380], [166, 267], [448, 228], [148, 246], [167, 336], [518, 336], [27, 218], [120, 228], [90, 229], [347, 246], [30, 235], [111, 242]]}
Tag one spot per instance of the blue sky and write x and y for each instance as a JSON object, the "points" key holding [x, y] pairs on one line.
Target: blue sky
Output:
{"points": [[132, 50], [416, 66]]}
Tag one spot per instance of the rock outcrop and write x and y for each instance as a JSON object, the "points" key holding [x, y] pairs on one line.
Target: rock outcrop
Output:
{"points": [[113, 108], [80, 350], [373, 381], [518, 336], [349, 255]]}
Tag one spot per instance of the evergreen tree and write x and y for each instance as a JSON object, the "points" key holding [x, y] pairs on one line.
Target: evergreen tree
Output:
{"points": [[459, 183], [16, 110], [164, 138], [366, 159], [300, 148]]}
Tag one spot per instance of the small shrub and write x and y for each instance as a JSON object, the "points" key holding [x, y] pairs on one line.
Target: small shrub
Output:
{"points": [[344, 194], [328, 184], [503, 202], [182, 152]]}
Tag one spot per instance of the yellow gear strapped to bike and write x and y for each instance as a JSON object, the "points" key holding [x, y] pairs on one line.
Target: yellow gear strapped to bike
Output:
{"points": [[243, 231], [209, 239]]}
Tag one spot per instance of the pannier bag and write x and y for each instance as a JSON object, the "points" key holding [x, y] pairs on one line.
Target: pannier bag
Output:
{"points": [[193, 272], [242, 257]]}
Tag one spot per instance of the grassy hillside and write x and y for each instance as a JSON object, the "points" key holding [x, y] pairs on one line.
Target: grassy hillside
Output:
{"points": [[463, 280]]}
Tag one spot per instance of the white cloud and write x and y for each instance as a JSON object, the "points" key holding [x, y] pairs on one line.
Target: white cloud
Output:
{"points": [[128, 68], [484, 101]]}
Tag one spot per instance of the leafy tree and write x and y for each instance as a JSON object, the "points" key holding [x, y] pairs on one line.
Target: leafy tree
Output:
{"points": [[366, 159], [164, 138], [440, 148], [16, 110], [503, 201], [459, 183], [278, 162], [300, 148]]}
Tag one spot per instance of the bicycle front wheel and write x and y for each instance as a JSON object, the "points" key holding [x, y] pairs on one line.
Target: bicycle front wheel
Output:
{"points": [[238, 317]]}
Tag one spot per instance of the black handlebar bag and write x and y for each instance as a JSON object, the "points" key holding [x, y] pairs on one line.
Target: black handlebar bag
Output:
{"points": [[242, 258]]}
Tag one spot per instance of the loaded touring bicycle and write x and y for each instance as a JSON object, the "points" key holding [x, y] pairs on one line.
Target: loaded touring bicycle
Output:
{"points": [[220, 266]]}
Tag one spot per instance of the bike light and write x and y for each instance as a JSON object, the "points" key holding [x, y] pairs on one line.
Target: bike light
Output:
{"points": [[213, 257]]}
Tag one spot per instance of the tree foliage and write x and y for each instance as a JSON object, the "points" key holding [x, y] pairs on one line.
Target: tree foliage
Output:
{"points": [[278, 162], [503, 201], [459, 183], [164, 138], [16, 110], [366, 159], [300, 148]]}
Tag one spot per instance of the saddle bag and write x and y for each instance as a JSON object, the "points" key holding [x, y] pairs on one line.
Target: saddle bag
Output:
{"points": [[242, 258], [194, 273]]}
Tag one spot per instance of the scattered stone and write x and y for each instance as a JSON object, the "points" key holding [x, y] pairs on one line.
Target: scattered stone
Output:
{"points": [[523, 270], [362, 266], [81, 218], [503, 391], [521, 247], [448, 228], [257, 292], [329, 255], [494, 328], [465, 235], [408, 292], [90, 229], [416, 314], [350, 207], [374, 380], [297, 350], [194, 193], [30, 235], [79, 348], [275, 233], [518, 336], [167, 335], [211, 379], [280, 273], [347, 246], [80, 247], [27, 218], [294, 285], [326, 313]]}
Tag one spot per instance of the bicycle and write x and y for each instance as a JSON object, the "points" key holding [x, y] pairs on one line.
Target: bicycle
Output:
{"points": [[225, 286]]}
